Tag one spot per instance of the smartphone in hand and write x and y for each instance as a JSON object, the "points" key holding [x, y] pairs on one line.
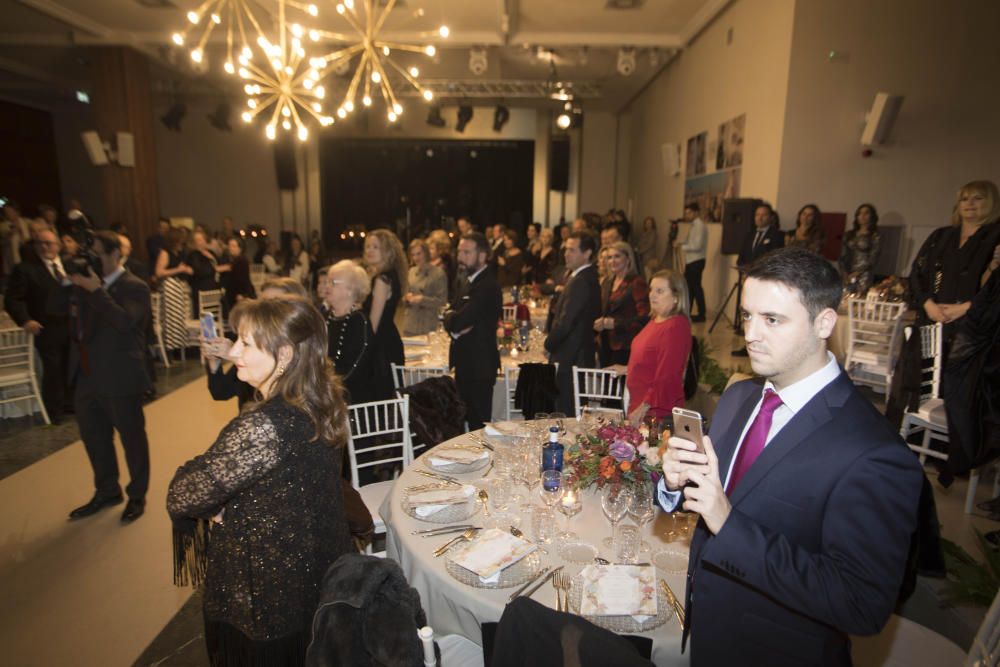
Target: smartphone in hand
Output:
{"points": [[207, 326], [688, 425]]}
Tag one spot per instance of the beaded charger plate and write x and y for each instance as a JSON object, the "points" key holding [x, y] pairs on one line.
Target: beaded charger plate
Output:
{"points": [[515, 575], [455, 467], [447, 514], [621, 623]]}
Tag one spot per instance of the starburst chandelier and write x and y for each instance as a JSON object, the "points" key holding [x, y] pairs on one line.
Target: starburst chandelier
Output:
{"points": [[284, 87], [375, 62]]}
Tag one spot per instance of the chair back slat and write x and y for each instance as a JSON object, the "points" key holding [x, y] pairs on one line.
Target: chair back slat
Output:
{"points": [[596, 386], [405, 376], [380, 430]]}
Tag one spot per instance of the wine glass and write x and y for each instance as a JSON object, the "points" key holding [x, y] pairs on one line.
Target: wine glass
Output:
{"points": [[614, 502], [569, 505], [642, 509], [551, 489]]}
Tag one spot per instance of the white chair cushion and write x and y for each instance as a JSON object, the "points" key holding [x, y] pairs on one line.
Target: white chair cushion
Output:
{"points": [[457, 651], [373, 496], [903, 643], [932, 410]]}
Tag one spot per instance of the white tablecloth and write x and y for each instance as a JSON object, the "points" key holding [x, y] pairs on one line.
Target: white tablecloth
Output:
{"points": [[454, 608]]}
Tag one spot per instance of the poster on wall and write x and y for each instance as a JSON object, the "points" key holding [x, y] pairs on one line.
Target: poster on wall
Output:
{"points": [[696, 148], [711, 190], [730, 150]]}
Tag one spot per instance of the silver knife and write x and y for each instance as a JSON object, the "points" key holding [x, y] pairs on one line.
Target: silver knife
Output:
{"points": [[520, 590], [434, 475], [443, 531], [541, 583]]}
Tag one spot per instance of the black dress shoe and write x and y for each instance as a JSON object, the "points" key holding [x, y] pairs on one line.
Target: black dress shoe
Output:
{"points": [[96, 504], [133, 510]]}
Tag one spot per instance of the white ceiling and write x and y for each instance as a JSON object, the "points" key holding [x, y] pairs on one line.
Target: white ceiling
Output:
{"points": [[44, 44]]}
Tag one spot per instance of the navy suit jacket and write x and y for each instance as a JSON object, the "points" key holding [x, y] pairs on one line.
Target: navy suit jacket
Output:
{"points": [[815, 546], [478, 305], [773, 239]]}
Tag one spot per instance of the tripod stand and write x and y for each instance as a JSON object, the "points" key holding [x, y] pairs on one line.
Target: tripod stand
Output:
{"points": [[737, 290]]}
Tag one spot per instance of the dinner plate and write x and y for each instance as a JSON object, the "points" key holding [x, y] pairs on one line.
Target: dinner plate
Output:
{"points": [[671, 560], [515, 575], [621, 623], [447, 514], [458, 468]]}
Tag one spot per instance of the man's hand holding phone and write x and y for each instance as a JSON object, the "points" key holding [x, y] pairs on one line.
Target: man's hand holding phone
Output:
{"points": [[690, 464]]}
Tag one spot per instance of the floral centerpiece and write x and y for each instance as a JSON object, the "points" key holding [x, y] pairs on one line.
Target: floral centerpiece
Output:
{"points": [[616, 454]]}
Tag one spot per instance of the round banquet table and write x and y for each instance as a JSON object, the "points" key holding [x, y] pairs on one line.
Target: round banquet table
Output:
{"points": [[456, 608]]}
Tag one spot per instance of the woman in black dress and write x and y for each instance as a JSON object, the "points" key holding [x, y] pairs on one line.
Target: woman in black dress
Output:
{"points": [[259, 517], [366, 376], [235, 276], [203, 263], [387, 266]]}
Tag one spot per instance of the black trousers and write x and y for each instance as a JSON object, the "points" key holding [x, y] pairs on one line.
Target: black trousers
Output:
{"points": [[54, 358], [99, 417], [477, 394], [692, 274]]}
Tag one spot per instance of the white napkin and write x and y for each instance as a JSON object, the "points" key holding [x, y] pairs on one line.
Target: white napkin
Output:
{"points": [[617, 590], [444, 457], [423, 502], [507, 428], [491, 552]]}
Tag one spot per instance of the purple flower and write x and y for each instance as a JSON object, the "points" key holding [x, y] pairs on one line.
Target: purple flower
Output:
{"points": [[622, 451]]}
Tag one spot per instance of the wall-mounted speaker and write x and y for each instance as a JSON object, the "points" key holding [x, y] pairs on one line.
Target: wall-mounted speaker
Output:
{"points": [[885, 108], [671, 159], [559, 164], [95, 148], [126, 149], [284, 165]]}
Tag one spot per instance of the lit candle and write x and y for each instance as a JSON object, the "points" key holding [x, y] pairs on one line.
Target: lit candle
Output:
{"points": [[569, 498]]}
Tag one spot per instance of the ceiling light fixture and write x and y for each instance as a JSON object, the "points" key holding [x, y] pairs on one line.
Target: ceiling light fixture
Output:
{"points": [[464, 116], [376, 56], [500, 117], [434, 118], [175, 114]]}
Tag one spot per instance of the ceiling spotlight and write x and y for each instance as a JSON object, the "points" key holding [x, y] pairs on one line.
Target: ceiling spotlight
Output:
{"points": [[626, 61], [172, 119], [219, 118], [434, 117], [464, 116], [563, 121], [477, 61], [500, 117]]}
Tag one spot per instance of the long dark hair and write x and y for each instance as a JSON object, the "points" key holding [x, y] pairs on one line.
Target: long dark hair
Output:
{"points": [[308, 382]]}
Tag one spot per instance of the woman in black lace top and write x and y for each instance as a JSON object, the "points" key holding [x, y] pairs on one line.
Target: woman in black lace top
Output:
{"points": [[269, 487]]}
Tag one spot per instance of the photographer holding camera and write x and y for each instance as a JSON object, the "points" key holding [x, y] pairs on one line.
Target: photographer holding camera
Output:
{"points": [[107, 357]]}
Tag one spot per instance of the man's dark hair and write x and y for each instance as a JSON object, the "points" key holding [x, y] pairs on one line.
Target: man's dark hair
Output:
{"points": [[587, 242], [815, 278], [109, 241], [479, 239], [693, 206]]}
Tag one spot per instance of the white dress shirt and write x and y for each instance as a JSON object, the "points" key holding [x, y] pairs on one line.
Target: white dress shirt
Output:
{"points": [[696, 243]]}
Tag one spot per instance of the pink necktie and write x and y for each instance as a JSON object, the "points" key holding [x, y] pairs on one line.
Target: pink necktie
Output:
{"points": [[756, 437]]}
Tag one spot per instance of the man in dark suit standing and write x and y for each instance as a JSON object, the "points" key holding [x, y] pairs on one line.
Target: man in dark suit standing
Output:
{"points": [[472, 323], [764, 237], [571, 335], [37, 299], [808, 508], [108, 358]]}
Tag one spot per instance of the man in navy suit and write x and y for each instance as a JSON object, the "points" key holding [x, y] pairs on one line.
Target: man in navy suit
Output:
{"points": [[806, 495], [765, 236], [472, 324]]}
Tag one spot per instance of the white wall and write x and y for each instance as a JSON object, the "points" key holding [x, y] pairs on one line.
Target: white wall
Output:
{"points": [[598, 159], [705, 85], [943, 57]]}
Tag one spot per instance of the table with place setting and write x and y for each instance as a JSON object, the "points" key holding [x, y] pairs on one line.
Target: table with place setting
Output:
{"points": [[474, 522]]}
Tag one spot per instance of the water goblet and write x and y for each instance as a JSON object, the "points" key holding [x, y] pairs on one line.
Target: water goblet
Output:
{"points": [[614, 502], [626, 545], [551, 488], [642, 509], [542, 524]]}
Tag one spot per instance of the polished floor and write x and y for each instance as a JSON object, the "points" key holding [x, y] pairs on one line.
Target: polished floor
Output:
{"points": [[94, 592]]}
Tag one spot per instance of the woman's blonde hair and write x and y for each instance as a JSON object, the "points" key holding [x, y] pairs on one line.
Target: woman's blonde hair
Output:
{"points": [[357, 278], [289, 286], [625, 249], [308, 381], [678, 285], [393, 256], [423, 245], [987, 189]]}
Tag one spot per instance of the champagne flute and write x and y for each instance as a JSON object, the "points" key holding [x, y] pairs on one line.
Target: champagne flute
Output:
{"points": [[642, 509], [614, 502]]}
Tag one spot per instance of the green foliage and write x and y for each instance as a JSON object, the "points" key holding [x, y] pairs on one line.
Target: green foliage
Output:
{"points": [[969, 581], [710, 372]]}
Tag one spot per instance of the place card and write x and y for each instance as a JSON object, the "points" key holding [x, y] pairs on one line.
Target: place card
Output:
{"points": [[618, 590], [492, 551]]}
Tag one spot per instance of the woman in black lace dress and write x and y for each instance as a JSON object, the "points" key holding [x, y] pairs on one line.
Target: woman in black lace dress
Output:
{"points": [[269, 487], [386, 264]]}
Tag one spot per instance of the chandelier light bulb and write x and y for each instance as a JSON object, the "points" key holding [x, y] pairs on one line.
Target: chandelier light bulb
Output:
{"points": [[216, 19], [386, 50], [296, 30], [288, 70], [256, 89], [341, 113], [178, 39], [246, 116], [263, 43], [196, 55], [414, 72], [312, 10], [349, 106], [314, 35], [296, 43], [243, 60], [252, 103], [276, 63], [308, 84], [392, 117], [430, 50], [444, 31], [244, 73], [248, 89], [193, 18], [303, 133], [230, 69], [340, 9], [285, 112], [349, 4], [247, 52], [563, 121], [366, 100], [320, 92], [397, 108], [376, 77], [269, 131], [286, 124], [317, 107], [428, 95]]}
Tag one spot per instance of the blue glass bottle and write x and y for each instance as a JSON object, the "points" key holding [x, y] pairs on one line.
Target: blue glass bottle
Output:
{"points": [[552, 452]]}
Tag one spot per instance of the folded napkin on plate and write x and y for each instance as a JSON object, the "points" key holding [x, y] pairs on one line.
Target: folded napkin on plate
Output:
{"points": [[491, 552], [428, 502], [415, 340], [442, 457], [618, 590], [496, 429]]}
